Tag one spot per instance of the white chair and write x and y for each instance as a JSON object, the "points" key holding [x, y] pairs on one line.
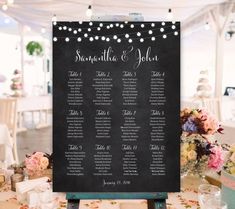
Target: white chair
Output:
{"points": [[213, 105], [8, 116]]}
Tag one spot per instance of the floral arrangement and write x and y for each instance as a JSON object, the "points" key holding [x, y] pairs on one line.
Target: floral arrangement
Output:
{"points": [[37, 162], [199, 150], [229, 165], [199, 121]]}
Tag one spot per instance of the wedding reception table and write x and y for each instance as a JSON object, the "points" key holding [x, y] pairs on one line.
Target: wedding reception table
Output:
{"points": [[187, 198], [6, 146]]}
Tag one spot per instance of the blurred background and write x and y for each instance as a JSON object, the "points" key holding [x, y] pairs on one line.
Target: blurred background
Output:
{"points": [[207, 81], [207, 55]]}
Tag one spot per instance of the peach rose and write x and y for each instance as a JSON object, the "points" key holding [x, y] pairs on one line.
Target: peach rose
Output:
{"points": [[232, 158], [232, 148], [192, 146], [183, 161], [184, 146], [38, 154], [44, 162], [232, 170], [192, 155]]}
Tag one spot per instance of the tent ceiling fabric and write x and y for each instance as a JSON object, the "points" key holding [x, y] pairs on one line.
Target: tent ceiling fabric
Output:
{"points": [[38, 13]]}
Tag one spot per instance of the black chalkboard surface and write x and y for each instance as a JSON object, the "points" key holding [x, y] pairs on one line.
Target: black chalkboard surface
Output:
{"points": [[116, 104]]}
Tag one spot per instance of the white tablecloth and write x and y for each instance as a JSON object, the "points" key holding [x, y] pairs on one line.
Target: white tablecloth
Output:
{"points": [[6, 146]]}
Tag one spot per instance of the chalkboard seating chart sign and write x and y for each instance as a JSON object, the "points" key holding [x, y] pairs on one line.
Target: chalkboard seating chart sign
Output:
{"points": [[116, 104]]}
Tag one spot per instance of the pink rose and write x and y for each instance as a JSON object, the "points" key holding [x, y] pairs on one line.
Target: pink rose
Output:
{"points": [[32, 163], [210, 125], [216, 159], [38, 154], [36, 163], [35, 158]]}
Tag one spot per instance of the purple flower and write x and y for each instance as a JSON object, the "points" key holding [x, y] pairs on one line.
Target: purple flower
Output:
{"points": [[189, 126]]}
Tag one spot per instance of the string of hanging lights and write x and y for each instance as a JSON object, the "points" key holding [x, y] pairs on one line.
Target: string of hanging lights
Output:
{"points": [[6, 4], [169, 16], [141, 31], [89, 13], [108, 25]]}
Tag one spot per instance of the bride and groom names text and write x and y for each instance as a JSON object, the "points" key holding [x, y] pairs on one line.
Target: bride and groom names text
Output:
{"points": [[108, 55]]}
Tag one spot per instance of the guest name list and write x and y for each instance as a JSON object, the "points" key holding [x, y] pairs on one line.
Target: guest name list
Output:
{"points": [[116, 115]]}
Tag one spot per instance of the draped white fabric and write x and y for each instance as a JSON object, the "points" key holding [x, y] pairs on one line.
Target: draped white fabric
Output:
{"points": [[38, 13], [6, 146]]}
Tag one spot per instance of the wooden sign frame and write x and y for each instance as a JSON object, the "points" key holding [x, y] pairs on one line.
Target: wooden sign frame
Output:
{"points": [[155, 200]]}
